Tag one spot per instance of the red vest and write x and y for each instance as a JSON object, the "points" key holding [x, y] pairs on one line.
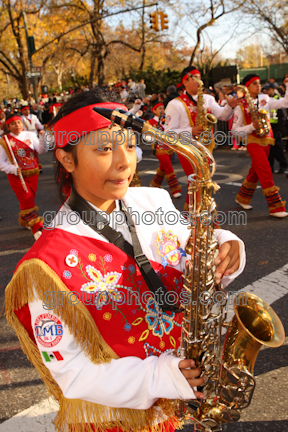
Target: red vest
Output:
{"points": [[254, 138], [192, 108], [108, 290], [158, 125], [24, 155]]}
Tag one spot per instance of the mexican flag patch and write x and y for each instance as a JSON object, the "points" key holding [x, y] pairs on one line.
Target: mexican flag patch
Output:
{"points": [[52, 357]]}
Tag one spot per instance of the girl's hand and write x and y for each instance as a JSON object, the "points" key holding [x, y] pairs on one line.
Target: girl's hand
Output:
{"points": [[228, 259], [18, 171], [191, 373]]}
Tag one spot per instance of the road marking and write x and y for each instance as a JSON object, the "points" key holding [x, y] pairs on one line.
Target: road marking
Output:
{"points": [[12, 251], [239, 184], [270, 288], [11, 348]]}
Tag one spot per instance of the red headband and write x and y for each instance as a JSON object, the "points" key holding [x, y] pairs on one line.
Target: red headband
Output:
{"points": [[25, 107], [54, 105], [157, 105], [251, 80], [13, 118], [84, 120], [192, 72]]}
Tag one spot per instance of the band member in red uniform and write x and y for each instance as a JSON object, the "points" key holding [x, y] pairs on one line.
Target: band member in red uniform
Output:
{"points": [[181, 113], [106, 358], [164, 155], [259, 147], [25, 146], [30, 121]]}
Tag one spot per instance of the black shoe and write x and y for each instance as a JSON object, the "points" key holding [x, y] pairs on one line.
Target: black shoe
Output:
{"points": [[281, 170]]}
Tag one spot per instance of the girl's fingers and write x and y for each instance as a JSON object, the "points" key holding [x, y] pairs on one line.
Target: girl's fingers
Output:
{"points": [[196, 382], [199, 395]]}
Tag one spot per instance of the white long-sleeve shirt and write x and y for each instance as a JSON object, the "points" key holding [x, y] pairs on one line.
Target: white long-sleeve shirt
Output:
{"points": [[34, 125], [177, 119], [264, 102], [30, 138], [128, 382]]}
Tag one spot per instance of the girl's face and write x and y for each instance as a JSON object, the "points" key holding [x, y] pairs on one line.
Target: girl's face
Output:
{"points": [[105, 168], [16, 127]]}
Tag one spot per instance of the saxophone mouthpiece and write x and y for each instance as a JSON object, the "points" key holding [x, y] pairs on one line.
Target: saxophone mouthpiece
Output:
{"points": [[122, 118]]}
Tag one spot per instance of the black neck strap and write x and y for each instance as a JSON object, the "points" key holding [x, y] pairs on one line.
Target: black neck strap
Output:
{"points": [[100, 224], [191, 98]]}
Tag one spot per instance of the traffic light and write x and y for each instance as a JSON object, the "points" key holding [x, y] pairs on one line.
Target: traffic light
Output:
{"points": [[31, 45], [164, 21], [154, 21]]}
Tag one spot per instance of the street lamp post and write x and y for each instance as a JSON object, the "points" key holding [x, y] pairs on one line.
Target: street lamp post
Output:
{"points": [[30, 59]]}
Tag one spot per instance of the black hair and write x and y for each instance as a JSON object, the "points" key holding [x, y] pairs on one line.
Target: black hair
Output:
{"points": [[186, 71], [249, 77], [9, 115], [80, 100]]}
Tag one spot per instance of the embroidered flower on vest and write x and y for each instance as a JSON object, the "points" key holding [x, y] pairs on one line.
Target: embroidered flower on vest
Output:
{"points": [[159, 322]]}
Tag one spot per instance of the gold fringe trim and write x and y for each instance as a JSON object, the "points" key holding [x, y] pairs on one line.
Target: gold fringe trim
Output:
{"points": [[78, 413], [278, 205], [27, 211], [30, 173], [32, 222], [249, 185], [270, 190], [153, 184], [263, 142], [75, 413], [243, 200]]}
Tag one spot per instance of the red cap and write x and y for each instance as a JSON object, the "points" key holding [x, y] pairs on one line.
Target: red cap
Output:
{"points": [[25, 107]]}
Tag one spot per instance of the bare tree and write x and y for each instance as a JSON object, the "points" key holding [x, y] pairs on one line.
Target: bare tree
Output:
{"points": [[203, 14], [273, 14], [13, 50]]}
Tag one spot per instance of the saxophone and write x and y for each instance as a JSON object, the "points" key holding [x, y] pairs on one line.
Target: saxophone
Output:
{"points": [[260, 115], [204, 119], [229, 369]]}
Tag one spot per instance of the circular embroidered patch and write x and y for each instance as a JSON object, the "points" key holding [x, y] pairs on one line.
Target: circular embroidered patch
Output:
{"points": [[71, 260], [48, 330]]}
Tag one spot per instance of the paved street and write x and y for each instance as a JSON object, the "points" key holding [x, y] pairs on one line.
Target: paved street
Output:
{"points": [[266, 274]]}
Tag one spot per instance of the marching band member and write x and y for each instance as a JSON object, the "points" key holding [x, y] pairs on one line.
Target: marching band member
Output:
{"points": [[164, 155], [107, 361], [181, 113], [30, 121], [25, 146], [259, 148]]}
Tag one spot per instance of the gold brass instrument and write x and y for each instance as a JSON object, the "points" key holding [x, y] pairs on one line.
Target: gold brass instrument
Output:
{"points": [[230, 383], [260, 115], [204, 119]]}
